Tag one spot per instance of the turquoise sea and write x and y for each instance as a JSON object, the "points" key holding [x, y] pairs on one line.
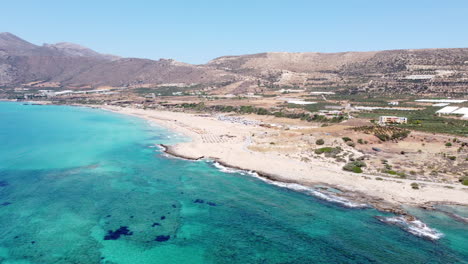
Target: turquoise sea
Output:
{"points": [[80, 185]]}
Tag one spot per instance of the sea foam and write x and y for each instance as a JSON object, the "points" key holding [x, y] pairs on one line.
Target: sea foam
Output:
{"points": [[415, 227], [296, 187]]}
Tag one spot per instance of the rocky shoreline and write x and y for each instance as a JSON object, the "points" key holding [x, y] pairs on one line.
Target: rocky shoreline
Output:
{"points": [[402, 218], [354, 196]]}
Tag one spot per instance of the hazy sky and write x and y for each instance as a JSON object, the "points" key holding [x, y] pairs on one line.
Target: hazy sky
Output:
{"points": [[197, 31]]}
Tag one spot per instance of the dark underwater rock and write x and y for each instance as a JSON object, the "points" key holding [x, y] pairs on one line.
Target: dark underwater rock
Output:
{"points": [[162, 238], [114, 235]]}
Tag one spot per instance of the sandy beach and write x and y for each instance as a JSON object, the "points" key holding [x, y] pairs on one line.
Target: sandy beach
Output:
{"points": [[229, 142]]}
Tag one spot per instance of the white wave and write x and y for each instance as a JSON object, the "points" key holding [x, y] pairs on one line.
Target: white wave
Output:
{"points": [[169, 156], [415, 227], [225, 169], [295, 187], [159, 147], [153, 124]]}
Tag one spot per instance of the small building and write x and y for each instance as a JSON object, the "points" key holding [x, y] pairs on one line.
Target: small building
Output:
{"points": [[394, 103], [331, 113], [384, 120]]}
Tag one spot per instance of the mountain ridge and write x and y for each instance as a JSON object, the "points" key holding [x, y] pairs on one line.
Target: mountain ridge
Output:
{"points": [[67, 64]]}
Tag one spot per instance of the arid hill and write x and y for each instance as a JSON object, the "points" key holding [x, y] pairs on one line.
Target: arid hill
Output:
{"points": [[70, 65], [425, 70], [429, 71]]}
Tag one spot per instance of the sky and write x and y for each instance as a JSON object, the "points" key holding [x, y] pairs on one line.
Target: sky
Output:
{"points": [[198, 31]]}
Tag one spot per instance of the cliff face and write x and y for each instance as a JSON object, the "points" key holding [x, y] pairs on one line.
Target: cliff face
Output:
{"points": [[70, 65]]}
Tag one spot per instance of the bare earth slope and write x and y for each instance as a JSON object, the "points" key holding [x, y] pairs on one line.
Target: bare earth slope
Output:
{"points": [[72, 65], [437, 71], [428, 70]]}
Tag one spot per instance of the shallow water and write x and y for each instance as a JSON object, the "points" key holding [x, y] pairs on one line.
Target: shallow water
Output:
{"points": [[70, 175]]}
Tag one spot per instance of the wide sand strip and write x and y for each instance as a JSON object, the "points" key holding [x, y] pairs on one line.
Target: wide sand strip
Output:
{"points": [[228, 142]]}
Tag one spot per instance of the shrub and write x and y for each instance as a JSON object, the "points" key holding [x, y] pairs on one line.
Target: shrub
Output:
{"points": [[448, 144], [351, 144], [452, 157], [360, 141], [401, 174], [323, 150], [464, 180], [346, 139], [359, 163], [354, 166], [329, 151], [320, 142], [414, 185]]}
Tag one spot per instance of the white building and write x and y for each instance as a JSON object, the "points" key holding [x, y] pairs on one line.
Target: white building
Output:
{"points": [[383, 120]]}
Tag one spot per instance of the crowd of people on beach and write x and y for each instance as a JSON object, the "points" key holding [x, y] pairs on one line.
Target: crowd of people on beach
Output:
{"points": [[238, 120]]}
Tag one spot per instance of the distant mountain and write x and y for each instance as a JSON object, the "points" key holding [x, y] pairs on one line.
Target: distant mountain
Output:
{"points": [[436, 71], [71, 65], [75, 50], [13, 45]]}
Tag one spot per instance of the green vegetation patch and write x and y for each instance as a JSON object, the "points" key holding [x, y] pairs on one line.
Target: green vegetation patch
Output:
{"points": [[355, 166], [384, 133], [425, 120], [464, 180]]}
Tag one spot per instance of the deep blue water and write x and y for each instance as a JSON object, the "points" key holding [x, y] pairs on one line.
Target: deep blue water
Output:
{"points": [[81, 185]]}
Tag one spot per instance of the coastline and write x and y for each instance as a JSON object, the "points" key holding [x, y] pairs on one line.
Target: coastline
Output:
{"points": [[227, 144]]}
